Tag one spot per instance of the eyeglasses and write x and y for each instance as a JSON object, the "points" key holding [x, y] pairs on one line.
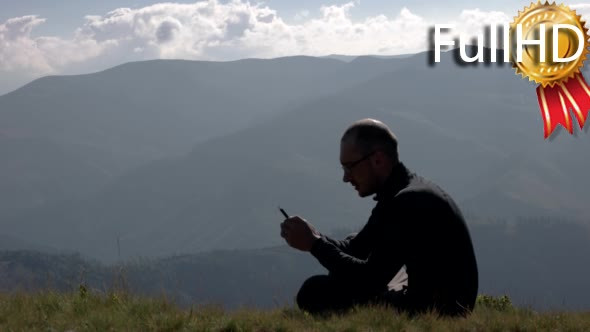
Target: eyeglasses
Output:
{"points": [[347, 167]]}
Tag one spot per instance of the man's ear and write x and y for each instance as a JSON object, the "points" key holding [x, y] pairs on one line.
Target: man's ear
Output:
{"points": [[379, 158]]}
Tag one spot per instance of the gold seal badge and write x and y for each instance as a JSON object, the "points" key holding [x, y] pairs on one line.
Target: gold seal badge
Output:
{"points": [[548, 73]]}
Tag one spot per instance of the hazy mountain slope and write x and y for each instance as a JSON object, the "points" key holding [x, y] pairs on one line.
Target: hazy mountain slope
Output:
{"points": [[159, 108], [118, 119], [547, 180], [473, 130], [224, 195], [36, 171]]}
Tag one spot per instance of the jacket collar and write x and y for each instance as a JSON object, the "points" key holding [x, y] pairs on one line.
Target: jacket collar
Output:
{"points": [[397, 180]]}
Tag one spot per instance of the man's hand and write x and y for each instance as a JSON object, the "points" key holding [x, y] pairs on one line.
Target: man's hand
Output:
{"points": [[298, 233]]}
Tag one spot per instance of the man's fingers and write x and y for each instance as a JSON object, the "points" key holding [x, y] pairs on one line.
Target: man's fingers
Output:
{"points": [[293, 222], [285, 225], [294, 219], [284, 229]]}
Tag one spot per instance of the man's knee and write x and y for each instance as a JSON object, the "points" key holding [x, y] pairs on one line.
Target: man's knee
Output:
{"points": [[311, 292]]}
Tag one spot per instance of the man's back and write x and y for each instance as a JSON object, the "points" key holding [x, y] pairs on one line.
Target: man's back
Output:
{"points": [[435, 243]]}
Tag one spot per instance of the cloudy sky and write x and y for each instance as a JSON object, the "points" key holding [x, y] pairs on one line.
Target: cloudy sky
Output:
{"points": [[42, 37]]}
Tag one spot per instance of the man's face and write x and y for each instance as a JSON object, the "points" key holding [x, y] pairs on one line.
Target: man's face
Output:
{"points": [[358, 169]]}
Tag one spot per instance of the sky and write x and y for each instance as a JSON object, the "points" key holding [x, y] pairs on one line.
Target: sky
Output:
{"points": [[40, 37]]}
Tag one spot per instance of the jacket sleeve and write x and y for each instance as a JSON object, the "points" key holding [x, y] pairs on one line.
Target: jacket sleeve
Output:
{"points": [[386, 252], [358, 245]]}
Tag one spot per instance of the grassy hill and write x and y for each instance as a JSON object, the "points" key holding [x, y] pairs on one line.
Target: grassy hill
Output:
{"points": [[83, 310]]}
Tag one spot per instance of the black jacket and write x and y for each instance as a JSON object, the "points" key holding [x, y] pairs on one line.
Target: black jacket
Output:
{"points": [[416, 224]]}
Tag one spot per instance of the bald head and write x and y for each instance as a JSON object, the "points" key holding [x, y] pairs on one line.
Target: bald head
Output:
{"points": [[369, 135]]}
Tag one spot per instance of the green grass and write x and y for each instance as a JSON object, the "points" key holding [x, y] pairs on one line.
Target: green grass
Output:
{"points": [[86, 311]]}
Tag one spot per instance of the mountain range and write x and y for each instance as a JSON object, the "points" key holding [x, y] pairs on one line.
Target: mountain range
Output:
{"points": [[169, 157]]}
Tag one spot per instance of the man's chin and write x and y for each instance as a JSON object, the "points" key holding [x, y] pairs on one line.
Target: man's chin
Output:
{"points": [[362, 193]]}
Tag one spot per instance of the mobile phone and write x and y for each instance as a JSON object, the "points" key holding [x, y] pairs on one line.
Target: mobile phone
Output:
{"points": [[284, 213]]}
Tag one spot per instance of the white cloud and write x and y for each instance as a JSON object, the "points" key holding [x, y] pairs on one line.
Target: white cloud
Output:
{"points": [[475, 18], [217, 31], [583, 9], [17, 49]]}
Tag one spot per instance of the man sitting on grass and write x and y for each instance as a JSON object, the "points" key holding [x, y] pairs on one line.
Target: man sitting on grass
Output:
{"points": [[414, 223]]}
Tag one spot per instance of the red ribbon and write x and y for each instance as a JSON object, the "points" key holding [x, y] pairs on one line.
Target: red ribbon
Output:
{"points": [[556, 102]]}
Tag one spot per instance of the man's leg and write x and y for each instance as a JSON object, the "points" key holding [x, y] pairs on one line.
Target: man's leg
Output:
{"points": [[395, 299], [323, 293]]}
